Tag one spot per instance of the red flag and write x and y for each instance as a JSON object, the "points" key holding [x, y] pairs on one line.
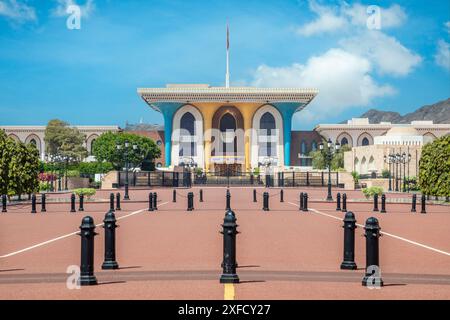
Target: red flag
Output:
{"points": [[228, 38]]}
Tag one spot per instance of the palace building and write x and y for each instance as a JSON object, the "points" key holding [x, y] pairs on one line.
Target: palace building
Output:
{"points": [[222, 128]]}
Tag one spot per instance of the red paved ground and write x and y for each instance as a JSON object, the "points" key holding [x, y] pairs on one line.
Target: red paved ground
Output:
{"points": [[173, 254]]}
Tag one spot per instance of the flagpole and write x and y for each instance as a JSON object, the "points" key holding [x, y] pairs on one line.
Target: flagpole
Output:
{"points": [[227, 76]]}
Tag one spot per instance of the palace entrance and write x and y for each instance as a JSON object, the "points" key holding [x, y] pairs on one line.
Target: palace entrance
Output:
{"points": [[224, 169]]}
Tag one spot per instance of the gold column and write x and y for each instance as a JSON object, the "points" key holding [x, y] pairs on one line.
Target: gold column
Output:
{"points": [[207, 120], [247, 114]]}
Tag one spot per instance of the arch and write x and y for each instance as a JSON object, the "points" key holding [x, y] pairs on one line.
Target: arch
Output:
{"points": [[267, 125], [371, 166], [90, 142], [369, 139], [37, 141], [347, 137], [228, 135], [189, 134], [259, 136], [303, 148], [428, 137], [363, 166], [14, 137]]}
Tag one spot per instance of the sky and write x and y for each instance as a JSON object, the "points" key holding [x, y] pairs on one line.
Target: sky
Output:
{"points": [[388, 55]]}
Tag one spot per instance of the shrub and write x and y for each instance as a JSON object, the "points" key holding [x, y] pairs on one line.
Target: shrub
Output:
{"points": [[434, 168], [91, 168], [87, 192], [355, 176], [44, 186], [370, 192], [385, 173]]}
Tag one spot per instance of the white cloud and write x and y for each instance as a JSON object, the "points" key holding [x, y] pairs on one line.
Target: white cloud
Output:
{"points": [[332, 19], [86, 9], [447, 25], [387, 53], [328, 20], [17, 11], [442, 56], [342, 78]]}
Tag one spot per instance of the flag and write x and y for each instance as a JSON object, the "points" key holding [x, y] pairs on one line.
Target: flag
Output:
{"points": [[228, 38]]}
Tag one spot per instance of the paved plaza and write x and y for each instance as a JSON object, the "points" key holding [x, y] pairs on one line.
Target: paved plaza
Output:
{"points": [[171, 253]]}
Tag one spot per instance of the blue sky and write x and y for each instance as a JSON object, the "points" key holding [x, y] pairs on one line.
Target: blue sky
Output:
{"points": [[90, 76]]}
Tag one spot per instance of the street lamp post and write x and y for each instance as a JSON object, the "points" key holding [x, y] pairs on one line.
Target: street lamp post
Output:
{"points": [[126, 149], [329, 156], [405, 159], [189, 164], [389, 160], [397, 161]]}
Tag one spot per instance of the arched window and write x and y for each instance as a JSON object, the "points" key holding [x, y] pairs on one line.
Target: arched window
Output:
{"points": [[344, 141], [365, 141], [228, 126], [92, 145], [187, 145], [267, 126], [33, 142], [303, 148], [314, 146]]}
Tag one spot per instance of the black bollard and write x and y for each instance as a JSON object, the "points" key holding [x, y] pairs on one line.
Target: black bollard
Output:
{"points": [[229, 232], [305, 201], [338, 201], [228, 201], [4, 203], [109, 224], [423, 204], [33, 203], [81, 205], [43, 203], [301, 201], [111, 202], [87, 233], [281, 196], [265, 201], [174, 195], [72, 203], [413, 204], [349, 242], [254, 195], [372, 277], [375, 202], [201, 195], [383, 203], [344, 202], [190, 201], [150, 201], [155, 201], [118, 208]]}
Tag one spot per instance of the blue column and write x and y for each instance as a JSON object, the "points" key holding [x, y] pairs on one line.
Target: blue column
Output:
{"points": [[168, 110], [287, 125], [168, 118], [287, 110]]}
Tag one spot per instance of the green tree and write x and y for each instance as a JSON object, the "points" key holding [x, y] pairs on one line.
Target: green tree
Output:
{"points": [[105, 149], [337, 161], [7, 149], [434, 168], [19, 167], [64, 143], [23, 170]]}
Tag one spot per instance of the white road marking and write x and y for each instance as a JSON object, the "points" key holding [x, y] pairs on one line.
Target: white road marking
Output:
{"points": [[382, 232], [70, 234]]}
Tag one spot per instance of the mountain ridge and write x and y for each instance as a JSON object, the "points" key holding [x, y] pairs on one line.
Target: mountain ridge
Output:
{"points": [[438, 112]]}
